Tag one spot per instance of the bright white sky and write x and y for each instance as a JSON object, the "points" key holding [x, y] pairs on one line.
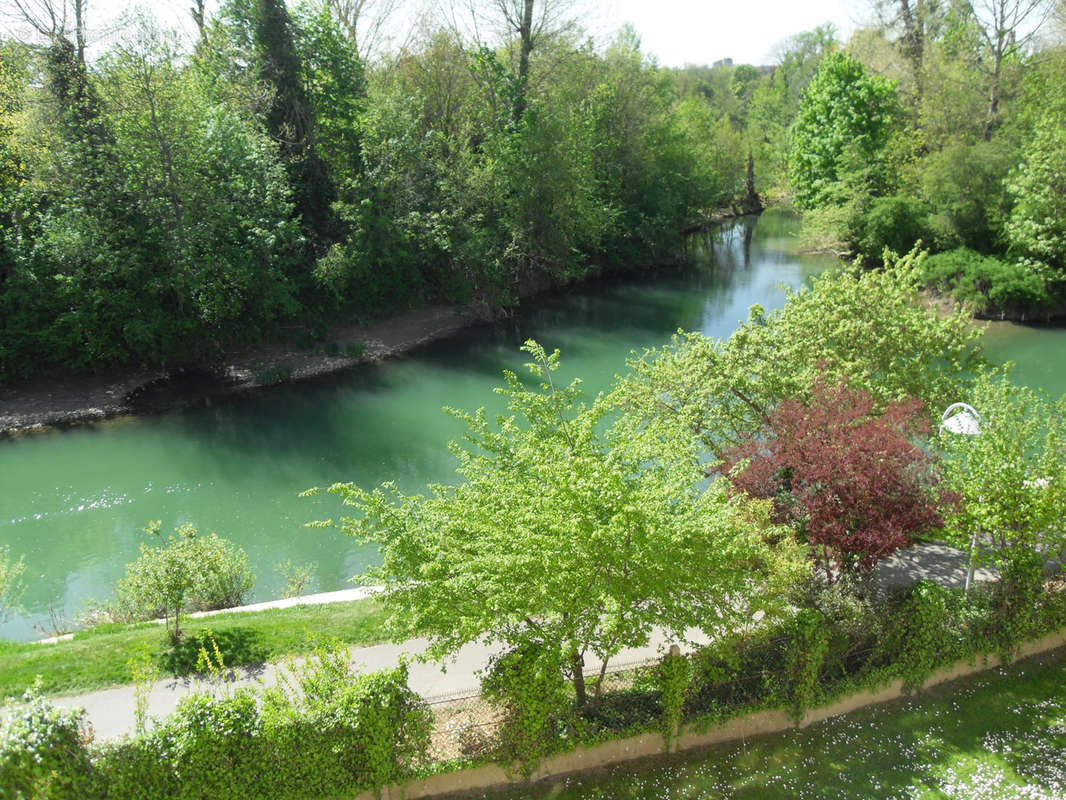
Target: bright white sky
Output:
{"points": [[682, 32], [676, 32]]}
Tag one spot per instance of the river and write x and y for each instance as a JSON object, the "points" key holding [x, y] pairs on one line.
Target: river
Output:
{"points": [[73, 502]]}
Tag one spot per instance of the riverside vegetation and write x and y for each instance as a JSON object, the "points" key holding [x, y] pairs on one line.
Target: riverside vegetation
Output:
{"points": [[166, 204], [785, 633], [170, 201]]}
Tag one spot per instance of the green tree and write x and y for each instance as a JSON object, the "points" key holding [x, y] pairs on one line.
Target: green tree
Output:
{"points": [[1011, 477], [868, 327], [776, 102], [336, 90], [204, 572], [1037, 225], [842, 108], [290, 119], [565, 536]]}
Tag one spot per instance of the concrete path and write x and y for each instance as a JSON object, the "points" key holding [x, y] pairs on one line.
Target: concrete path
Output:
{"points": [[931, 562], [111, 711]]}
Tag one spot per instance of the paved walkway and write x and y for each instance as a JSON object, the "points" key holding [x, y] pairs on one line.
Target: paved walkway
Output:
{"points": [[111, 711]]}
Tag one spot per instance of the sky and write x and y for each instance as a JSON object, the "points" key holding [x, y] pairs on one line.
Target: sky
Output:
{"points": [[675, 32], [680, 32]]}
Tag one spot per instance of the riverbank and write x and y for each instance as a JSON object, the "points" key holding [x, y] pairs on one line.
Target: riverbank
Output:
{"points": [[70, 400], [42, 404]]}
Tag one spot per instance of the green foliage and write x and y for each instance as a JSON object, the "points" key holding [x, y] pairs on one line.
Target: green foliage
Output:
{"points": [[674, 675], [144, 672], [11, 584], [964, 186], [189, 571], [1018, 611], [808, 645], [920, 641], [897, 222], [527, 683], [1037, 225], [990, 284], [162, 206], [322, 732], [350, 731], [1011, 478], [601, 536], [273, 375], [842, 108], [296, 577], [43, 754], [868, 327]]}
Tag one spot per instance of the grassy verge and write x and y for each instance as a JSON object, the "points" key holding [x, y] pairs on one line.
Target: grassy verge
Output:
{"points": [[1001, 734], [100, 657]]}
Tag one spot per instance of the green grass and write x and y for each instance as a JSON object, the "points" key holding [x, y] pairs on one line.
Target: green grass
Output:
{"points": [[1001, 734], [100, 656]]}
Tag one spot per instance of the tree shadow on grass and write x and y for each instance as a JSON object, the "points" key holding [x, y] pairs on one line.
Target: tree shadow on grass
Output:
{"points": [[237, 646]]}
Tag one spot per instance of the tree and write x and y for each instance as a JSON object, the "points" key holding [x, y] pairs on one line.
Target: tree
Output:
{"points": [[364, 22], [1037, 224], [336, 91], [916, 23], [522, 26], [204, 572], [1007, 28], [565, 536], [869, 327], [1011, 478], [853, 482], [842, 108], [11, 585]]}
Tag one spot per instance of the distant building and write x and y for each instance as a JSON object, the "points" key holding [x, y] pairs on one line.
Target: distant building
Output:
{"points": [[723, 62]]}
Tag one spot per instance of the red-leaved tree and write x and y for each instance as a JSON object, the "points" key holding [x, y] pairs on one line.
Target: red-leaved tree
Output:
{"points": [[852, 481]]}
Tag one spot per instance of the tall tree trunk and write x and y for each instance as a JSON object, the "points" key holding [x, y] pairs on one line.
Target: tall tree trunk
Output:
{"points": [[752, 203], [79, 29], [197, 12], [290, 121], [525, 36], [993, 98], [577, 668]]}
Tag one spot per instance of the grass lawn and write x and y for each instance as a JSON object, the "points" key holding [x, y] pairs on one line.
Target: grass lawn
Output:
{"points": [[100, 657], [998, 735]]}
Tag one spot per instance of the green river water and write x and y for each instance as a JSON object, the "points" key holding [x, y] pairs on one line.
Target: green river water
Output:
{"points": [[73, 502]]}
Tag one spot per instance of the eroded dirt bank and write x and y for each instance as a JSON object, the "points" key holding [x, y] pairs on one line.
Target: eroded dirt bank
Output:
{"points": [[70, 400]]}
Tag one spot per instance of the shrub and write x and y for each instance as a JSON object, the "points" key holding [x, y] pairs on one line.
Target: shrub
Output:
{"points": [[851, 481], [329, 732], [323, 732], [527, 683], [897, 222], [43, 751], [188, 572], [988, 282]]}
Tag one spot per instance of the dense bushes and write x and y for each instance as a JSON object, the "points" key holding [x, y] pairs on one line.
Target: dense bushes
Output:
{"points": [[324, 733], [991, 284], [43, 752]]}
